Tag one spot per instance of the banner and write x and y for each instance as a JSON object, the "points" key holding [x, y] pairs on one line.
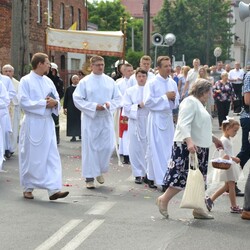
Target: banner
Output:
{"points": [[106, 43]]}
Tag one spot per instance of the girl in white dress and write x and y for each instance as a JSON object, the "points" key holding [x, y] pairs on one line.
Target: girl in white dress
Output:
{"points": [[231, 175]]}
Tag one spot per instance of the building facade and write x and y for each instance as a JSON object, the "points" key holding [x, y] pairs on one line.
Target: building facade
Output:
{"points": [[24, 32]]}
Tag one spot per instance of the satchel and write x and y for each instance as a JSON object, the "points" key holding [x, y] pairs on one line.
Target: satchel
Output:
{"points": [[194, 193]]}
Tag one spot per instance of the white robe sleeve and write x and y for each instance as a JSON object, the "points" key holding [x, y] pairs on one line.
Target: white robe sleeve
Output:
{"points": [[156, 103], [11, 90], [37, 107], [129, 108], [4, 97], [116, 99], [80, 101]]}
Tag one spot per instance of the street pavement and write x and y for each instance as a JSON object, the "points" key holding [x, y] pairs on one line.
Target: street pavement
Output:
{"points": [[116, 215]]}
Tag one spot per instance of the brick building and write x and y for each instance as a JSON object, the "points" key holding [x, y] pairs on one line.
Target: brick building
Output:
{"points": [[5, 34], [27, 20]]}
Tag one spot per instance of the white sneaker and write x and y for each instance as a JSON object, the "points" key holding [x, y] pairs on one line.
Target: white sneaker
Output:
{"points": [[100, 179], [90, 185]]}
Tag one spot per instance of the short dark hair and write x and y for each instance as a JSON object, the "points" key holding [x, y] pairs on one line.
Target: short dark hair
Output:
{"points": [[95, 59], [38, 58], [140, 70], [160, 59]]}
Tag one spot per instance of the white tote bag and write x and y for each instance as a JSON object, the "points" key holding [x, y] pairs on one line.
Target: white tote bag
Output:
{"points": [[194, 193]]}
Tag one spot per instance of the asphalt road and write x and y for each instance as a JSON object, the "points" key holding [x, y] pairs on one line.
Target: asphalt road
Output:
{"points": [[117, 215]]}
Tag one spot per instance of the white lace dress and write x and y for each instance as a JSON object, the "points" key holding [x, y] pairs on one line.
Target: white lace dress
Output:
{"points": [[234, 172]]}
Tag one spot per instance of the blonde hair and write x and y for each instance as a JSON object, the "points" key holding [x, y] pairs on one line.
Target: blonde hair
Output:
{"points": [[229, 123]]}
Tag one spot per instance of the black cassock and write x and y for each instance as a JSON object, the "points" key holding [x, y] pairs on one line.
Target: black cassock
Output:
{"points": [[73, 114]]}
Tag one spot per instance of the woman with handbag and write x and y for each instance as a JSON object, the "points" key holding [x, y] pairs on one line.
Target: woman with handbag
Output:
{"points": [[193, 134]]}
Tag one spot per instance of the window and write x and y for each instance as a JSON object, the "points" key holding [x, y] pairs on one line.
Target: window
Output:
{"points": [[49, 13], [71, 11], [75, 64], [63, 64], [79, 19], [62, 16], [39, 11]]}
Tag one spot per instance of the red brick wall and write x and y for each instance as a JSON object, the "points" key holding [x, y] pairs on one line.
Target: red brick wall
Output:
{"points": [[5, 32], [37, 30]]}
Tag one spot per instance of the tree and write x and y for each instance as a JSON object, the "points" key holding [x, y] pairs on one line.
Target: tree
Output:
{"points": [[199, 26], [106, 15]]}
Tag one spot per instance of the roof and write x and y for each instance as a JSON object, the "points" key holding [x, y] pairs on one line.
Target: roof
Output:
{"points": [[135, 7]]}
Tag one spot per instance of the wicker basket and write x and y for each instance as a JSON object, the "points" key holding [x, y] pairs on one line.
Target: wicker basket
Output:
{"points": [[221, 163]]}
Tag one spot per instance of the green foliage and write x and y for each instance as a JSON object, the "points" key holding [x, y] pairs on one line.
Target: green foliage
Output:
{"points": [[199, 26], [107, 16], [133, 57]]}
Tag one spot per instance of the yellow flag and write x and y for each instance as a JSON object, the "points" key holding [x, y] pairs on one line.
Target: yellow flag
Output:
{"points": [[73, 26]]}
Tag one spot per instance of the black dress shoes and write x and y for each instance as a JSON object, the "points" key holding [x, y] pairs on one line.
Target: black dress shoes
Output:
{"points": [[138, 180], [238, 192], [7, 154], [151, 184], [164, 188], [125, 159], [73, 139]]}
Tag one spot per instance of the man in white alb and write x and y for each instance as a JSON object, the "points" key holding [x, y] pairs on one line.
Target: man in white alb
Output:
{"points": [[39, 159], [161, 99], [97, 96]]}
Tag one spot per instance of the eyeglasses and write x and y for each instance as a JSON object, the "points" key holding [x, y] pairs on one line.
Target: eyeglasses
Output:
{"points": [[99, 65]]}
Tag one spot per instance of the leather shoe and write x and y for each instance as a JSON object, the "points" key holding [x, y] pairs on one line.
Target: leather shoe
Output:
{"points": [[151, 184], [240, 194], [245, 215], [200, 214], [90, 185], [138, 180], [7, 154], [58, 195], [28, 195], [163, 211], [73, 139], [100, 179]]}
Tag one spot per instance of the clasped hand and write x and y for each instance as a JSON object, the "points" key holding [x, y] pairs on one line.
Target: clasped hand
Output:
{"points": [[101, 107], [171, 95]]}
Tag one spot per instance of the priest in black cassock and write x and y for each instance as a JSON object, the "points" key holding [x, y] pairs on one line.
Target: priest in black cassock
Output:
{"points": [[73, 114]]}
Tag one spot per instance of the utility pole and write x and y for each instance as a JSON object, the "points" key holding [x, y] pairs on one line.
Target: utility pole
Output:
{"points": [[146, 27]]}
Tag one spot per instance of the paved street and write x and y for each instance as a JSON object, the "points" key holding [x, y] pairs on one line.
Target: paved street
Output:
{"points": [[117, 215]]}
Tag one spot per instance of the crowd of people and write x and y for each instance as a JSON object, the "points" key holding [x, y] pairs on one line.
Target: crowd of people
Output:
{"points": [[157, 117]]}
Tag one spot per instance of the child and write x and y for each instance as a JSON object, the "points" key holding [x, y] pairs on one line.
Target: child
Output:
{"points": [[231, 175]]}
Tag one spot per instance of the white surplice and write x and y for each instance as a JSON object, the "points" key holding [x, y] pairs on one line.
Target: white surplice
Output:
{"points": [[160, 126], [97, 127], [15, 114], [4, 103], [137, 129], [124, 140], [8, 128], [39, 159]]}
